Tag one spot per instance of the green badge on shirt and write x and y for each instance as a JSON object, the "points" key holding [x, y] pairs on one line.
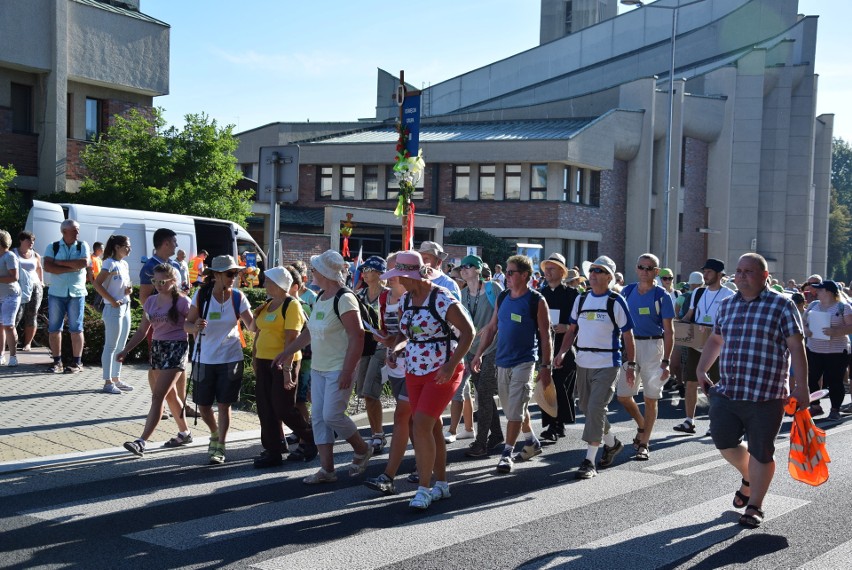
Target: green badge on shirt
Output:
{"points": [[416, 329], [707, 319], [320, 315], [215, 316], [644, 311], [516, 317]]}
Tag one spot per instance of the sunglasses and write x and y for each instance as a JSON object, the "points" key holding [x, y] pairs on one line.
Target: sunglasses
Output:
{"points": [[468, 266], [666, 278], [511, 272], [598, 270], [161, 282], [645, 268], [369, 270]]}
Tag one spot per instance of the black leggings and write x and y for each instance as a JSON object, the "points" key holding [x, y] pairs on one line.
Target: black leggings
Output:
{"points": [[831, 368]]}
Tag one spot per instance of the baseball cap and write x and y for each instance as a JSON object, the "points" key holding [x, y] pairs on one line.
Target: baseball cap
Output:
{"points": [[716, 265]]}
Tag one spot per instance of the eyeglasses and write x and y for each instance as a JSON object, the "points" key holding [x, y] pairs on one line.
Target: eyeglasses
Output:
{"points": [[511, 272], [369, 270], [597, 270], [645, 268], [666, 278], [232, 273], [161, 282]]}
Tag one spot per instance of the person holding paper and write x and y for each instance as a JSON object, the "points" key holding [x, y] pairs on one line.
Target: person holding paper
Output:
{"points": [[827, 345]]}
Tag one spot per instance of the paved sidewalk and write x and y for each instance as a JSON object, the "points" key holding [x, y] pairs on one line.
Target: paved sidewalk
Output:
{"points": [[48, 418]]}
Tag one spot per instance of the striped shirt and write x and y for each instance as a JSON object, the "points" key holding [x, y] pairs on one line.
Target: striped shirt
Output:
{"points": [[834, 344], [755, 362]]}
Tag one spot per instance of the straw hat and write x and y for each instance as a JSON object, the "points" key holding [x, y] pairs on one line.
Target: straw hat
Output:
{"points": [[546, 397]]}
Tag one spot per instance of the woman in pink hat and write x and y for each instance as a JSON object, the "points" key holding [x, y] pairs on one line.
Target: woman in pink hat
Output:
{"points": [[435, 334]]}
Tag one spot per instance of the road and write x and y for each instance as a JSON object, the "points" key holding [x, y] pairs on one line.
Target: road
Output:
{"points": [[170, 510]]}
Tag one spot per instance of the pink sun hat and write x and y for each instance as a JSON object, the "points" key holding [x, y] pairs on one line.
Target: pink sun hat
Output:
{"points": [[410, 264]]}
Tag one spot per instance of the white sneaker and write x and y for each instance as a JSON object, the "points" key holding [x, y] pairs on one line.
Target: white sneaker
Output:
{"points": [[123, 387], [2, 360], [449, 437], [13, 361], [466, 434], [111, 389]]}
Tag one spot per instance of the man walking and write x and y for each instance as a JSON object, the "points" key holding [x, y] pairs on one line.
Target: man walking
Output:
{"points": [[652, 311], [68, 261], [522, 319], [756, 334], [433, 255]]}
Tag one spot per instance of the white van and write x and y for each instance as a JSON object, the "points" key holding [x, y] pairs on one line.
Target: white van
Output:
{"points": [[218, 237]]}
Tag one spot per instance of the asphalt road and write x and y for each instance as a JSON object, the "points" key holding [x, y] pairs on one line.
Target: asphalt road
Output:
{"points": [[170, 510]]}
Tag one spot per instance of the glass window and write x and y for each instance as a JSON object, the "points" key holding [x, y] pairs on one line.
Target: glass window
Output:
{"points": [[513, 182], [595, 188], [579, 185], [93, 119], [347, 182], [462, 183], [371, 183], [22, 108], [538, 182], [325, 177], [487, 174], [393, 186], [569, 17]]}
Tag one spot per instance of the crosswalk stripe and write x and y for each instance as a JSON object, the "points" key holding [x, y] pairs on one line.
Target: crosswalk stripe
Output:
{"points": [[664, 540], [838, 557]]}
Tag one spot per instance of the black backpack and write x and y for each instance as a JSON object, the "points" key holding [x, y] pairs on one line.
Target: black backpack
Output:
{"points": [[369, 315]]}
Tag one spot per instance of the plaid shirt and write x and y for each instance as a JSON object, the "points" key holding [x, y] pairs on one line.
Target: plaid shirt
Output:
{"points": [[755, 362]]}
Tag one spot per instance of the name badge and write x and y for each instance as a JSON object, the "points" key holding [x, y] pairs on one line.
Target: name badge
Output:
{"points": [[416, 329], [320, 315], [214, 316], [707, 319], [644, 311], [516, 317], [270, 317], [591, 316]]}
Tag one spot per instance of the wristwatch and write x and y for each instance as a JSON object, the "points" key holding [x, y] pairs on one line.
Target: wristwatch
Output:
{"points": [[546, 366], [665, 361], [631, 365]]}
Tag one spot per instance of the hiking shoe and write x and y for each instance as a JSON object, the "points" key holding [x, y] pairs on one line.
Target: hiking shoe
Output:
{"points": [[587, 470], [179, 440], [505, 464], [834, 414], [685, 427], [465, 434], [268, 459], [378, 442], [422, 499], [13, 361], [441, 490], [476, 449], [56, 368], [609, 454], [123, 387], [382, 484], [135, 447], [111, 389], [449, 437], [321, 476], [74, 369], [846, 409], [528, 452]]}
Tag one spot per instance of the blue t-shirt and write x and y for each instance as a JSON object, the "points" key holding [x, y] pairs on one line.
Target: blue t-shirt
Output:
{"points": [[147, 272], [73, 283], [517, 342], [447, 283], [648, 310]]}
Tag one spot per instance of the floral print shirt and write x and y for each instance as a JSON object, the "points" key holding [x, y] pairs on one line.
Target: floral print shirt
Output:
{"points": [[420, 327]]}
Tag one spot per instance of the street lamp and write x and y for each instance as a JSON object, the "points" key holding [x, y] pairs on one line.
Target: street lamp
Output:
{"points": [[668, 176]]}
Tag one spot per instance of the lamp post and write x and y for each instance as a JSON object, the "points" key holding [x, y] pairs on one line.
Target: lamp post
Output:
{"points": [[668, 175]]}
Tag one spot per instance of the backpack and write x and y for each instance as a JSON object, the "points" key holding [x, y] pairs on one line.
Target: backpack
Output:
{"points": [[489, 293], [534, 299], [449, 334], [369, 315], [204, 296], [56, 247], [610, 310]]}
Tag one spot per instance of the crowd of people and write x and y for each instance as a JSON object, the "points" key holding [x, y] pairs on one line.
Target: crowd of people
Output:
{"points": [[436, 340]]}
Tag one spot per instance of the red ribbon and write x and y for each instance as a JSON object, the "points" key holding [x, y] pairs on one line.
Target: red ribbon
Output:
{"points": [[409, 230], [345, 250]]}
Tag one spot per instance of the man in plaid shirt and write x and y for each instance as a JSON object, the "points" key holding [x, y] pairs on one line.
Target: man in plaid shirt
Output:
{"points": [[757, 332]]}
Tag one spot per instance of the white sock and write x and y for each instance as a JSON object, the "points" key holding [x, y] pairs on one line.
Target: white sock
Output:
{"points": [[508, 449], [592, 453], [609, 439], [689, 421]]}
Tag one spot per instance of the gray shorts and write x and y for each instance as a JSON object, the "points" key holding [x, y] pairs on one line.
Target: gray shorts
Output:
{"points": [[514, 385], [398, 389], [368, 383], [759, 422], [463, 391]]}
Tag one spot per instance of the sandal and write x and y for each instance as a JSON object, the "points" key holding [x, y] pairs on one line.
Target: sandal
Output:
{"points": [[740, 499], [359, 462], [637, 441], [321, 476], [642, 454], [305, 452], [422, 499], [179, 440], [685, 427], [752, 518]]}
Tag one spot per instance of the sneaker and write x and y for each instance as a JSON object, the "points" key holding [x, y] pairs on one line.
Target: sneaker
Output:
{"points": [[465, 434], [528, 452], [382, 484], [111, 389], [609, 454], [587, 470], [846, 409], [73, 369], [816, 409], [476, 449], [13, 361], [834, 414], [123, 387], [135, 447], [378, 442], [422, 499], [449, 437], [685, 427], [56, 368], [268, 459], [495, 443], [441, 490], [505, 464]]}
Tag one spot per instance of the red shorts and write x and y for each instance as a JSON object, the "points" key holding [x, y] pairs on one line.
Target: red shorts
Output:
{"points": [[427, 397]]}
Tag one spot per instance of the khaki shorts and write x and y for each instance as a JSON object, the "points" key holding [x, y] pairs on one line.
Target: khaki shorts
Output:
{"points": [[514, 385], [649, 355]]}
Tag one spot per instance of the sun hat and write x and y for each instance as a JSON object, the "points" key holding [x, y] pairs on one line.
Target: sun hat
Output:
{"points": [[571, 275], [714, 264], [733, 286], [280, 277], [473, 260], [696, 278], [666, 272], [410, 264], [433, 248], [556, 259], [603, 262], [375, 263], [222, 263], [330, 264], [546, 397]]}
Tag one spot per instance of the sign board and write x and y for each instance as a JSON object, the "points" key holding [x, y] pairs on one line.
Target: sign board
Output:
{"points": [[411, 121], [251, 259], [278, 173], [691, 335]]}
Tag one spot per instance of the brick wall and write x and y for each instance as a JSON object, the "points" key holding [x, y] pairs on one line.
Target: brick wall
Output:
{"points": [[692, 248], [611, 218], [21, 151], [302, 246], [75, 170]]}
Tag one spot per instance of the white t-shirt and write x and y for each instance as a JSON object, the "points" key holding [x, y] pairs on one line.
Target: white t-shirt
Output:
{"points": [[595, 330], [221, 341], [708, 304], [119, 279]]}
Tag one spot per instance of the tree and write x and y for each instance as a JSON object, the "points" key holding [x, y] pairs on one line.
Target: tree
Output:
{"points": [[13, 210], [494, 249], [841, 171], [137, 164], [840, 212]]}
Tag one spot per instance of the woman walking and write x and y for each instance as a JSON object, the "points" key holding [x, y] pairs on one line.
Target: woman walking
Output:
{"points": [[438, 333], [214, 319], [114, 286], [10, 299], [336, 336], [166, 313], [31, 278], [278, 323]]}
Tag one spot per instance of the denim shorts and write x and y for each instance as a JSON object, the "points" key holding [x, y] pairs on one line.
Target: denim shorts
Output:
{"points": [[9, 309], [59, 307]]}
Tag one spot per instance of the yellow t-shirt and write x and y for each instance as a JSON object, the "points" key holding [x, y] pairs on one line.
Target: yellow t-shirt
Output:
{"points": [[328, 337], [272, 326]]}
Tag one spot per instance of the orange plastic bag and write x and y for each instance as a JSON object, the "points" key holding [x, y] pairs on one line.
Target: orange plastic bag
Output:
{"points": [[808, 460]]}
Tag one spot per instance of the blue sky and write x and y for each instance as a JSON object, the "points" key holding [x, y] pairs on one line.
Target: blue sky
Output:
{"points": [[271, 61]]}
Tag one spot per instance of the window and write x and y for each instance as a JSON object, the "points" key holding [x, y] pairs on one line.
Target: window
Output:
{"points": [[487, 174], [513, 182], [69, 115], [93, 119], [371, 183], [581, 186], [347, 182], [595, 188], [538, 182], [569, 16], [462, 183], [247, 168], [393, 186], [22, 108], [326, 174]]}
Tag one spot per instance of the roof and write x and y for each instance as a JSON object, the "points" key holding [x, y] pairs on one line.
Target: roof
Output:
{"points": [[101, 5], [553, 129]]}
